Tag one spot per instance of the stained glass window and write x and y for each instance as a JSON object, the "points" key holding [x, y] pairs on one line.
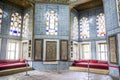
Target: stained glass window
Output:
{"points": [[84, 28], [51, 23], [15, 26], [101, 25], [25, 25], [75, 28], [0, 18]]}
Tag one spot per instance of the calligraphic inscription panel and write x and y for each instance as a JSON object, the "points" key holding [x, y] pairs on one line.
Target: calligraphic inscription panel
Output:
{"points": [[113, 51], [64, 50], [38, 49], [51, 50]]}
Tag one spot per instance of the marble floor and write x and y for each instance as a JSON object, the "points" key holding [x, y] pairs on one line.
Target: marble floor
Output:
{"points": [[56, 75]]}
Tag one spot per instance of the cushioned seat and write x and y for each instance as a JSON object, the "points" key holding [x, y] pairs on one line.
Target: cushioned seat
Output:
{"points": [[92, 64], [9, 64], [82, 64], [98, 66]]}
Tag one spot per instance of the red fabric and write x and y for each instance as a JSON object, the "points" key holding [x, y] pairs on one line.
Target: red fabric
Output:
{"points": [[103, 62], [9, 61], [13, 61], [93, 61], [3, 61], [84, 60], [82, 64], [76, 61], [9, 64], [92, 64], [114, 66], [99, 66], [22, 60]]}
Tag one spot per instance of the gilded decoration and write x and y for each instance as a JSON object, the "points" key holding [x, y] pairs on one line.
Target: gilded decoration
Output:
{"points": [[51, 50], [113, 49], [64, 49], [38, 49]]}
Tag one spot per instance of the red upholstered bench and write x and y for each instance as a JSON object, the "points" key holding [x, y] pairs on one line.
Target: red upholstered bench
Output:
{"points": [[9, 64], [92, 64]]}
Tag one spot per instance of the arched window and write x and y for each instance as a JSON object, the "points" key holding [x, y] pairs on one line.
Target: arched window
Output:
{"points": [[101, 25], [84, 28], [0, 17], [25, 25], [51, 23], [15, 26], [75, 28]]}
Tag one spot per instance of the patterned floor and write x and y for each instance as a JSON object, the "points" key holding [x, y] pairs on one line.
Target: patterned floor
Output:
{"points": [[56, 75]]}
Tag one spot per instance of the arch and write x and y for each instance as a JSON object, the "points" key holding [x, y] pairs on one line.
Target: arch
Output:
{"points": [[75, 28], [51, 23], [84, 28], [15, 26], [101, 31], [25, 25]]}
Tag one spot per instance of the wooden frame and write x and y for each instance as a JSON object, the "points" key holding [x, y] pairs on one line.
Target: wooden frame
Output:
{"points": [[50, 61], [113, 49], [51, 51], [38, 49], [64, 50], [118, 11]]}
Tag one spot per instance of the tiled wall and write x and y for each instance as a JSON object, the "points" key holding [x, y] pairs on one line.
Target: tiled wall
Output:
{"points": [[40, 30], [74, 13], [64, 26], [110, 8], [91, 15], [4, 34], [7, 11], [30, 12], [40, 21], [113, 28]]}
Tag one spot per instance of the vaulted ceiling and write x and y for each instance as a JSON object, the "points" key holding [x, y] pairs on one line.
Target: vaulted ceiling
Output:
{"points": [[55, 1], [87, 5], [79, 5], [22, 4], [27, 3]]}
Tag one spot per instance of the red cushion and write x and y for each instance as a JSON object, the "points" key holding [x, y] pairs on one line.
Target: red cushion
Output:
{"points": [[10, 66], [99, 66], [76, 61], [22, 60], [93, 61], [103, 62], [92, 65], [3, 61], [82, 60], [12, 61], [81, 64]]}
